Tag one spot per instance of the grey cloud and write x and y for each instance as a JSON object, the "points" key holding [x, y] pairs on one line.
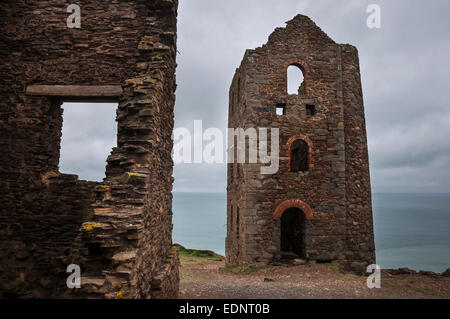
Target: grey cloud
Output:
{"points": [[88, 135], [404, 70]]}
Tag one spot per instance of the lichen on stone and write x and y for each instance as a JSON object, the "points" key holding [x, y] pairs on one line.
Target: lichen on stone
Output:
{"points": [[120, 293], [89, 226]]}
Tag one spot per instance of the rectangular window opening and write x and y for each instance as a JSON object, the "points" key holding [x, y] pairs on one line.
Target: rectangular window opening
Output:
{"points": [[281, 109], [89, 132], [310, 109]]}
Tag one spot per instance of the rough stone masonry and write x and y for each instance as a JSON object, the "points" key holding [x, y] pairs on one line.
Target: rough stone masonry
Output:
{"points": [[318, 205], [119, 230]]}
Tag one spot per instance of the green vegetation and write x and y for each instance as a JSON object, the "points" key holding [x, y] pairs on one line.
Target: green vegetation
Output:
{"points": [[192, 279], [246, 269], [184, 252], [334, 265], [189, 261]]}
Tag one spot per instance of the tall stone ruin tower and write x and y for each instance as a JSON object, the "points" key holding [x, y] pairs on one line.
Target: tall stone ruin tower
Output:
{"points": [[318, 205]]}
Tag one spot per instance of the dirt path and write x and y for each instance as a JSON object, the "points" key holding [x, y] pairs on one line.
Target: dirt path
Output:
{"points": [[205, 278]]}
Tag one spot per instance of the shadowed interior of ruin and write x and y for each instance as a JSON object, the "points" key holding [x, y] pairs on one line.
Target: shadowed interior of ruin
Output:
{"points": [[292, 234], [299, 156]]}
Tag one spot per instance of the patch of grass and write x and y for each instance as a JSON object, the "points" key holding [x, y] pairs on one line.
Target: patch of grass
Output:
{"points": [[334, 265], [184, 252], [192, 279], [352, 275], [187, 261], [246, 269]]}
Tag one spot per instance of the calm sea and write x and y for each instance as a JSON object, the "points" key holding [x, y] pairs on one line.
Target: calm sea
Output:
{"points": [[411, 230]]}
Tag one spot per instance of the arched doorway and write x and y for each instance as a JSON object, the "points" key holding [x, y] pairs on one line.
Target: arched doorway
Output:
{"points": [[293, 214], [292, 233]]}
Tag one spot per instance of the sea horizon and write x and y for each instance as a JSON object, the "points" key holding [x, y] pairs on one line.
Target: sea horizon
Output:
{"points": [[410, 228]]}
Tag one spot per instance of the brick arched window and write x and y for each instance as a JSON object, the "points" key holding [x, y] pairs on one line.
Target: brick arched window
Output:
{"points": [[290, 203], [299, 152], [299, 156]]}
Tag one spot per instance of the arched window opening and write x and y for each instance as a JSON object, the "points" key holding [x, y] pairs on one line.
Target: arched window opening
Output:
{"points": [[295, 80], [299, 156]]}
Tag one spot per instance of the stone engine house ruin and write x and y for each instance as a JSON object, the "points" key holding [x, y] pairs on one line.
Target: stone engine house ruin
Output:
{"points": [[318, 205], [118, 231]]}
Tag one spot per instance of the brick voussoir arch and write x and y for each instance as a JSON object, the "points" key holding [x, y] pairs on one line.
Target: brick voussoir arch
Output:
{"points": [[298, 63], [308, 141], [305, 208]]}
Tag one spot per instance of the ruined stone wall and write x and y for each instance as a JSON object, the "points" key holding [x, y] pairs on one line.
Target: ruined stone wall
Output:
{"points": [[236, 189], [119, 231], [322, 188], [359, 221], [33, 262]]}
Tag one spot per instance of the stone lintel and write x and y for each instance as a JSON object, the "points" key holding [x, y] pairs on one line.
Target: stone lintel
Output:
{"points": [[77, 92]]}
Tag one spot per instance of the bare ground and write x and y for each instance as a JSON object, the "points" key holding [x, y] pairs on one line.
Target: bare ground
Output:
{"points": [[206, 278]]}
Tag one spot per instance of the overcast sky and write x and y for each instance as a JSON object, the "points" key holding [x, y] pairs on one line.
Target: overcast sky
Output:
{"points": [[405, 76]]}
